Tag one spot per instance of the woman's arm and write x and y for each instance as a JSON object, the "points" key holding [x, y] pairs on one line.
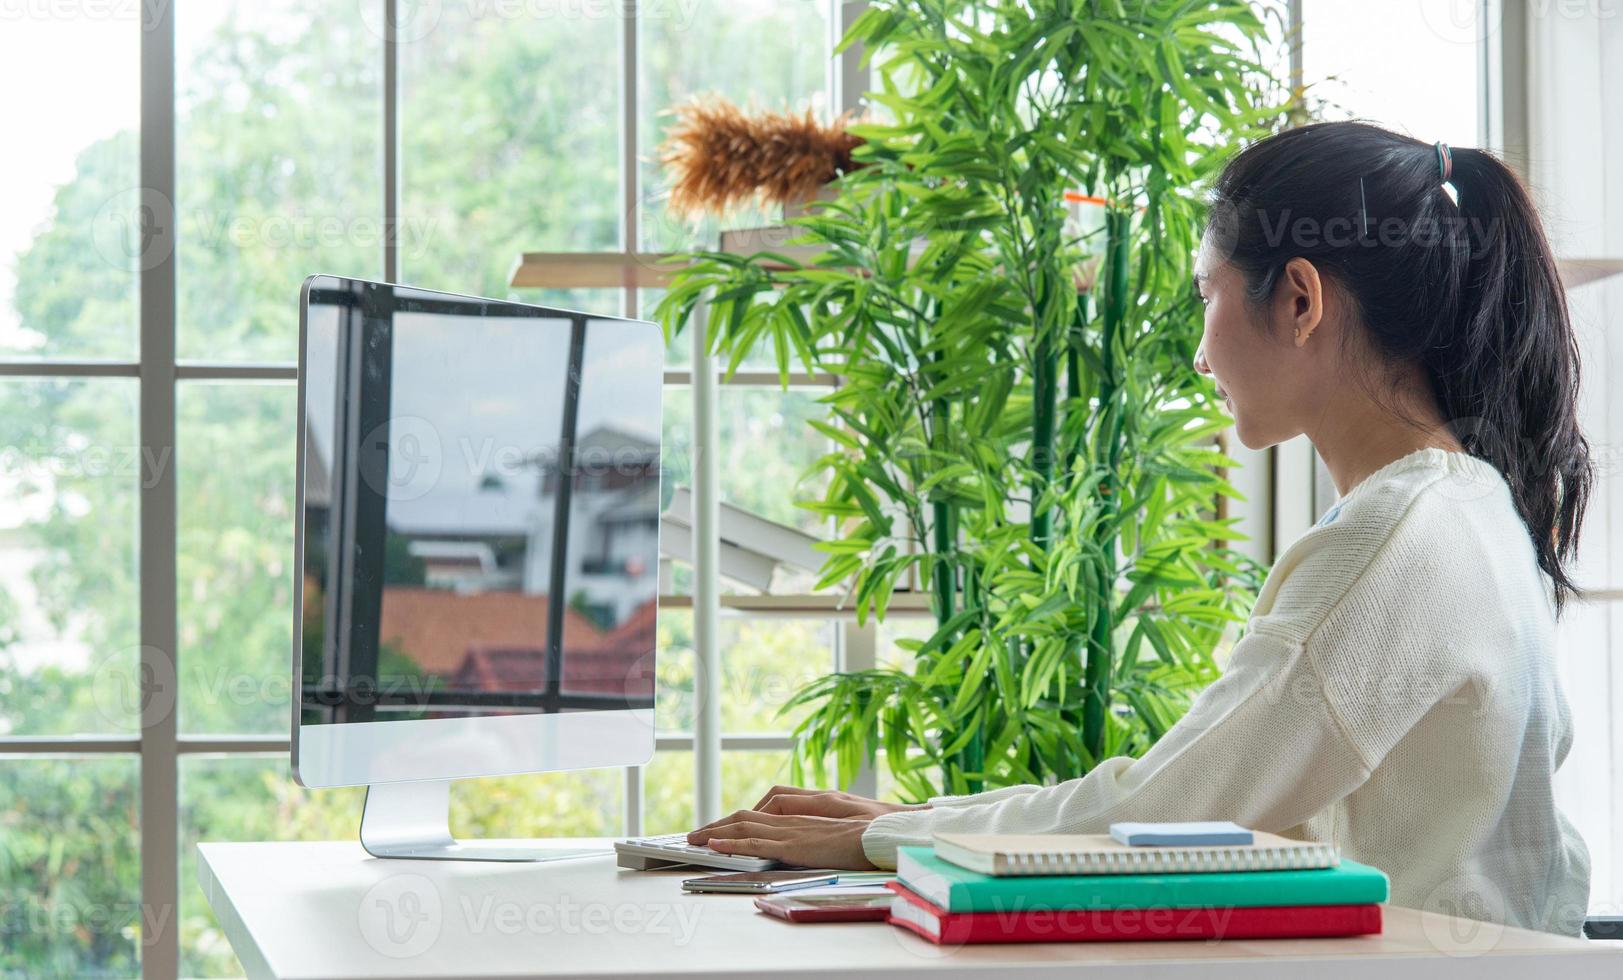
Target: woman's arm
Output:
{"points": [[980, 799], [1262, 746]]}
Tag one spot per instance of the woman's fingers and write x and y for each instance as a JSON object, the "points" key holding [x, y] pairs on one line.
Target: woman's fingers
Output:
{"points": [[744, 823], [751, 823], [752, 846], [744, 829], [783, 791], [815, 804], [733, 817], [820, 843]]}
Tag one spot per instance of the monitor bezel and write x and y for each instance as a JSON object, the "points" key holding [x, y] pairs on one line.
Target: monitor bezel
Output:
{"points": [[363, 753]]}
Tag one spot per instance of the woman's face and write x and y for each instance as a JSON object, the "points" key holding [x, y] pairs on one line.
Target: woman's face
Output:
{"points": [[1266, 378]]}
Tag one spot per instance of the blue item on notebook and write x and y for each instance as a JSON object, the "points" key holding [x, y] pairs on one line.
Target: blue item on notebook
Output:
{"points": [[1195, 833]]}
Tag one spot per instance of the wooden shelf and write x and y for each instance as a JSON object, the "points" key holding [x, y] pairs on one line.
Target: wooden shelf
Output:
{"points": [[592, 270], [652, 270], [644, 270]]}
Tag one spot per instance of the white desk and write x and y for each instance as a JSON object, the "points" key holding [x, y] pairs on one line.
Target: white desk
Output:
{"points": [[329, 910]]}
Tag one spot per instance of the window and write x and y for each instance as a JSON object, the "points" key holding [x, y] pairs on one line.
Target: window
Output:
{"points": [[1578, 157], [70, 239], [1412, 67], [515, 130]]}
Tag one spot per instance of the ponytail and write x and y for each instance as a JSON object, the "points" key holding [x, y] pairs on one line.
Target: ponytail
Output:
{"points": [[1466, 288], [1510, 369]]}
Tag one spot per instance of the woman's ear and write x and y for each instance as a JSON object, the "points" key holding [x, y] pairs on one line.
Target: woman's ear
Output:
{"points": [[1299, 299]]}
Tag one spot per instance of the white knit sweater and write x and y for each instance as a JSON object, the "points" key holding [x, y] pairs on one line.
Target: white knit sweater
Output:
{"points": [[1393, 693]]}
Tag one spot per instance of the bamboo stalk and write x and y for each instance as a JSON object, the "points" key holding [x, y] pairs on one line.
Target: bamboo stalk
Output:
{"points": [[1096, 697], [944, 586], [1073, 378], [1045, 369]]}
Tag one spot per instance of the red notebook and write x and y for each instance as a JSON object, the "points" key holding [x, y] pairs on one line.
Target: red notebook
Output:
{"points": [[1137, 925]]}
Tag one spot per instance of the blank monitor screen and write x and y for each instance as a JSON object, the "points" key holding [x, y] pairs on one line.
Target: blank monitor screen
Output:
{"points": [[480, 510]]}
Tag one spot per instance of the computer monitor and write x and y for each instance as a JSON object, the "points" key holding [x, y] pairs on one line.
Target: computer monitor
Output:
{"points": [[476, 550]]}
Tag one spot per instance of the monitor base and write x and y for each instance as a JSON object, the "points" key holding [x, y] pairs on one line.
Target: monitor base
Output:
{"points": [[413, 821]]}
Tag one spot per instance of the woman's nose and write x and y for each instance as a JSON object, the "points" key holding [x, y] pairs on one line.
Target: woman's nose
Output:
{"points": [[1200, 361]]}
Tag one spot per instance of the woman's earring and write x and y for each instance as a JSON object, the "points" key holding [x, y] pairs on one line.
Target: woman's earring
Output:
{"points": [[1298, 331]]}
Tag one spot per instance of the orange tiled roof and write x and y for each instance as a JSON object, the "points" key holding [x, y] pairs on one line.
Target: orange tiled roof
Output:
{"points": [[435, 627]]}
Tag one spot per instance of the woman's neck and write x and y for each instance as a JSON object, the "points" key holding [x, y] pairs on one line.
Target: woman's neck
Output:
{"points": [[1355, 435]]}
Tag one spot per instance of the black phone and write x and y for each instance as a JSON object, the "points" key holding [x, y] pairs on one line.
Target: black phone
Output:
{"points": [[760, 882]]}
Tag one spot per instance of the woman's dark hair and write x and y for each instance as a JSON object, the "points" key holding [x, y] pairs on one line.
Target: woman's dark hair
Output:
{"points": [[1467, 290]]}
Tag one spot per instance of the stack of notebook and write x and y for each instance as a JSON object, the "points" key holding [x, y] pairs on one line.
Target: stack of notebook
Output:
{"points": [[975, 888]]}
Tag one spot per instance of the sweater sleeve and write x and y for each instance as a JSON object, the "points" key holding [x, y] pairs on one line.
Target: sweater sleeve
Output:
{"points": [[1262, 746], [979, 799]]}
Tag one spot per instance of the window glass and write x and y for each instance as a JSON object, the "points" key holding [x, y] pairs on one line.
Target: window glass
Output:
{"points": [[509, 133], [234, 570], [767, 449], [71, 891], [278, 167], [70, 469], [764, 662], [71, 208], [1405, 65]]}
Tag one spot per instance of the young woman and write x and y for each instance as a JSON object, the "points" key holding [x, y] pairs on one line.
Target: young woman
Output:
{"points": [[1394, 691]]}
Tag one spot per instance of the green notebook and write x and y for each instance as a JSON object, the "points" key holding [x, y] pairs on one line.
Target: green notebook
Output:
{"points": [[958, 889]]}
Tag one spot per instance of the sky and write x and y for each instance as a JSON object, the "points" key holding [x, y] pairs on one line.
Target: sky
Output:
{"points": [[484, 396]]}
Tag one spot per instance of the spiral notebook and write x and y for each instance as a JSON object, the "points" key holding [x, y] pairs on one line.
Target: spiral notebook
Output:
{"points": [[1100, 854]]}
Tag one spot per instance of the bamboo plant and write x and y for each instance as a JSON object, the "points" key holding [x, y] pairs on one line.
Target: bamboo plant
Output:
{"points": [[1019, 428]]}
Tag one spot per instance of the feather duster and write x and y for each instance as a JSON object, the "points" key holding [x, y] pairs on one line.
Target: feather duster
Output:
{"points": [[719, 156]]}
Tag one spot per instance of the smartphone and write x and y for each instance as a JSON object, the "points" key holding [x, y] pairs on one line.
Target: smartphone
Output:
{"points": [[866, 906], [760, 882]]}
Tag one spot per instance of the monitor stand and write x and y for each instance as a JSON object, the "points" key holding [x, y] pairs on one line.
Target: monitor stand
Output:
{"points": [[413, 820]]}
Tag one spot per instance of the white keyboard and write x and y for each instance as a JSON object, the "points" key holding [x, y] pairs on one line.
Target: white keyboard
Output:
{"points": [[672, 850]]}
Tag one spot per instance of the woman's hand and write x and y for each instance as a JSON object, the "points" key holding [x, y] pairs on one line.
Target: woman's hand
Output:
{"points": [[809, 828], [810, 842], [827, 803]]}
